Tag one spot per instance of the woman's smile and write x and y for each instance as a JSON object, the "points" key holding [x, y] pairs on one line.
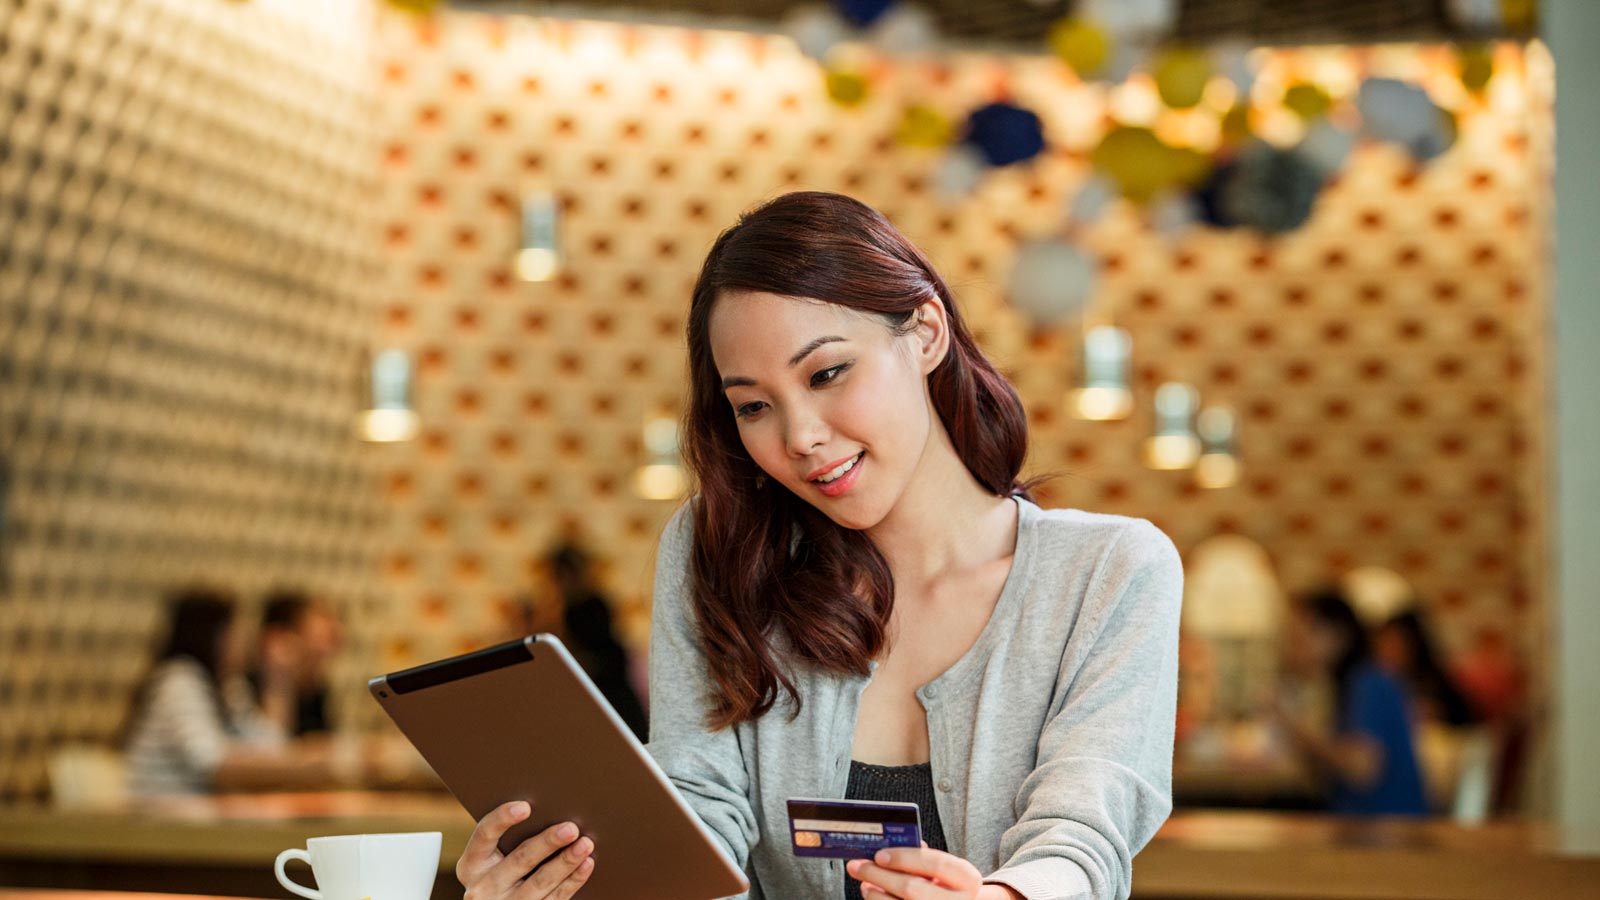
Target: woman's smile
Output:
{"points": [[840, 478]]}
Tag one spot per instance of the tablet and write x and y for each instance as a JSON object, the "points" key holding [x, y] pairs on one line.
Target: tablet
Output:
{"points": [[521, 721]]}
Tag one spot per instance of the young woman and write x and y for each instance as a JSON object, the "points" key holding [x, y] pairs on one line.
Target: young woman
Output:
{"points": [[862, 601], [1369, 756], [191, 732]]}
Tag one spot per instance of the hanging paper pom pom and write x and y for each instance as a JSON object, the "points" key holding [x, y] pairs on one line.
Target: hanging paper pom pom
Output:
{"points": [[846, 88], [418, 7], [1236, 126], [906, 30], [1231, 58], [862, 13], [1174, 214], [1327, 146], [959, 172], [923, 126], [1142, 166], [1307, 100], [816, 30], [1132, 20], [1181, 74], [1005, 134], [1476, 62], [1393, 110], [1518, 14], [1475, 15], [1268, 189], [1081, 44], [1092, 200], [1051, 281], [1402, 113], [1436, 140]]}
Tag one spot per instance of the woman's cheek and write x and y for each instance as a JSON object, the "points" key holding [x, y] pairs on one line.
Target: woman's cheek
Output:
{"points": [[764, 443]]}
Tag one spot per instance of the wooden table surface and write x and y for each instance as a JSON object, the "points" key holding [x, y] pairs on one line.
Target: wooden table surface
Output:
{"points": [[1210, 855]]}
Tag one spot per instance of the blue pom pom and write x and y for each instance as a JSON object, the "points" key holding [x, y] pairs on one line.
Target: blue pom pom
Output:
{"points": [[1005, 134], [862, 13]]}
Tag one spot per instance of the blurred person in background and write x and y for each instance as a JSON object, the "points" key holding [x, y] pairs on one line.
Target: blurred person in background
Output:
{"points": [[1405, 648], [1368, 751], [588, 631], [298, 641], [184, 737]]}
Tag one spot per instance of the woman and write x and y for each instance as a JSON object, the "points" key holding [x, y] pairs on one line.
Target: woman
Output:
{"points": [[863, 602], [1405, 648], [1370, 755], [190, 733]]}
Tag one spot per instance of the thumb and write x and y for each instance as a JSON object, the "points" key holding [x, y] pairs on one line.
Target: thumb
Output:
{"points": [[924, 844]]}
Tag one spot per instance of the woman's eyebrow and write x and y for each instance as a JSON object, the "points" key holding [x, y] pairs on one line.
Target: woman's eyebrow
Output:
{"points": [[739, 381]]}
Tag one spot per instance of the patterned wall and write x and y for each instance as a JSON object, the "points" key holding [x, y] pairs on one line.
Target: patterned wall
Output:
{"points": [[1380, 358], [184, 306], [203, 203]]}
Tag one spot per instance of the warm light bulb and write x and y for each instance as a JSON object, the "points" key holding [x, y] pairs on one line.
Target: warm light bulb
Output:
{"points": [[537, 264], [1101, 404], [660, 481], [387, 425], [1171, 451], [1216, 470]]}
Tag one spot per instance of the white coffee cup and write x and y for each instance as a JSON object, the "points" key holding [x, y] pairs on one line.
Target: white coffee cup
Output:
{"points": [[366, 866]]}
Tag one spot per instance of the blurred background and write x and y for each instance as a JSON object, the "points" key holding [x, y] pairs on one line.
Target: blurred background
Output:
{"points": [[375, 310]]}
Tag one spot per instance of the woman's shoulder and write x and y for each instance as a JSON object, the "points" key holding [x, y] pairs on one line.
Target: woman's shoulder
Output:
{"points": [[1084, 535]]}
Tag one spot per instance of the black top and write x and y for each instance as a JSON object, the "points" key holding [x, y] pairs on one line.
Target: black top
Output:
{"points": [[905, 784]]}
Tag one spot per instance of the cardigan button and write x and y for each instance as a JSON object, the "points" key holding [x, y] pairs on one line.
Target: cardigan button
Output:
{"points": [[930, 692], [944, 785]]}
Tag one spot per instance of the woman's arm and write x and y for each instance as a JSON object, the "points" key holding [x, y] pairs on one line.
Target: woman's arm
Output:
{"points": [[1354, 759], [1103, 782], [707, 767]]}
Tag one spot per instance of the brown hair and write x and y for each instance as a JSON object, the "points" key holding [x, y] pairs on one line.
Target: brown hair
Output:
{"points": [[764, 561]]}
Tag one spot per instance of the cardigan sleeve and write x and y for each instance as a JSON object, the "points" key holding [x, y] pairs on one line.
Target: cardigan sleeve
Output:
{"points": [[707, 767], [1102, 783]]}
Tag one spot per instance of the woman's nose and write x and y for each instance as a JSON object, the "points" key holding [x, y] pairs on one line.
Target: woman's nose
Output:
{"points": [[805, 433]]}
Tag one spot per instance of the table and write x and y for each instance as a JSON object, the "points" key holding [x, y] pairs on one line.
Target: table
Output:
{"points": [[226, 845]]}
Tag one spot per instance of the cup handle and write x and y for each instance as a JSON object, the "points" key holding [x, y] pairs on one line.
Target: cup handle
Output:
{"points": [[283, 878]]}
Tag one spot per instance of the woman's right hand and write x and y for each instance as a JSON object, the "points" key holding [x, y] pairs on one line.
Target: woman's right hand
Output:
{"points": [[488, 874]]}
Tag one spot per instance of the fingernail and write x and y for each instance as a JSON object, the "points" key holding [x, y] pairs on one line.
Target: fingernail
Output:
{"points": [[882, 858], [853, 866], [567, 832], [521, 809]]}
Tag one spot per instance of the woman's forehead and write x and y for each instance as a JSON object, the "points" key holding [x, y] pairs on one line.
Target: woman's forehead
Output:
{"points": [[747, 316]]}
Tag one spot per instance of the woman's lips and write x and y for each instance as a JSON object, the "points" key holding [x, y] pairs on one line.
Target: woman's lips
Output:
{"points": [[841, 484]]}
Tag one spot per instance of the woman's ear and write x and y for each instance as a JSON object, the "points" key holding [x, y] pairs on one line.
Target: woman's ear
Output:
{"points": [[932, 334]]}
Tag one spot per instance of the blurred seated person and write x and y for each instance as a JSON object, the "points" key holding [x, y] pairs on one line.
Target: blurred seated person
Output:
{"points": [[298, 640], [587, 631], [183, 737], [1368, 754]]}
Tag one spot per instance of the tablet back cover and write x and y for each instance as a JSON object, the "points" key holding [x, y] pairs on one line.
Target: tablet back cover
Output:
{"points": [[522, 722]]}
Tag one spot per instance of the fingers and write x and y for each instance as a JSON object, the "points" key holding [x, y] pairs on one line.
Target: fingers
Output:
{"points": [[561, 877], [483, 852], [503, 878], [889, 881], [914, 873]]}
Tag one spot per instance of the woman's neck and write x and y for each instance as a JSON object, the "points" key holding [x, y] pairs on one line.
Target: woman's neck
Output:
{"points": [[945, 522]]}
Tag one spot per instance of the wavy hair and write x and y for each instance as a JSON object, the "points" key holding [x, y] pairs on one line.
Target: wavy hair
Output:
{"points": [[767, 565]]}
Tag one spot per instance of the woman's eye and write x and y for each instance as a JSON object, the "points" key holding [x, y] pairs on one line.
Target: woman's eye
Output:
{"points": [[829, 374], [748, 409]]}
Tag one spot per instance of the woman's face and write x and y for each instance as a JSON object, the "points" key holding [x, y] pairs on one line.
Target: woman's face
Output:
{"points": [[814, 386], [1311, 645]]}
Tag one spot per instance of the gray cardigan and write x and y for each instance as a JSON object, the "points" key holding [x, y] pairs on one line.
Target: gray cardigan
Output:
{"points": [[1051, 738]]}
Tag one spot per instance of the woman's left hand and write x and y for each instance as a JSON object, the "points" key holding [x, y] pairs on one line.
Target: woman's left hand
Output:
{"points": [[916, 873]]}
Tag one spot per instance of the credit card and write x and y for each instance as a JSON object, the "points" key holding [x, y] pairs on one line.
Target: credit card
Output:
{"points": [[851, 829]]}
